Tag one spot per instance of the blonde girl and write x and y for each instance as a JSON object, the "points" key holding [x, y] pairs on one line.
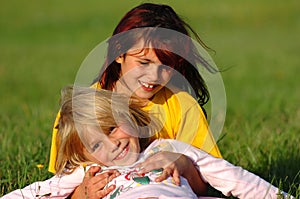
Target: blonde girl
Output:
{"points": [[100, 127]]}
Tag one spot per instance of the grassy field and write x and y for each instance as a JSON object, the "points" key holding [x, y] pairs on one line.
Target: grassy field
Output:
{"points": [[42, 44]]}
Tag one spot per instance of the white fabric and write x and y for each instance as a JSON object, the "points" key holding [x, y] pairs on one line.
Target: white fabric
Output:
{"points": [[220, 174]]}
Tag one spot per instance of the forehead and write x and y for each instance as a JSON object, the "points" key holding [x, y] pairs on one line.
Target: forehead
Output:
{"points": [[140, 47], [157, 53], [91, 132], [143, 52], [147, 53]]}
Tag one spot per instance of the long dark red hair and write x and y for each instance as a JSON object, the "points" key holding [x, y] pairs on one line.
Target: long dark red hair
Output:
{"points": [[174, 50]]}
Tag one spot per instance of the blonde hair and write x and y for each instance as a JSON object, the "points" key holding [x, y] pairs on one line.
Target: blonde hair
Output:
{"points": [[82, 107]]}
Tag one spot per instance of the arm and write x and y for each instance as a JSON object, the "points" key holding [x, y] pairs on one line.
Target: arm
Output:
{"points": [[196, 182], [64, 186], [227, 178], [55, 187]]}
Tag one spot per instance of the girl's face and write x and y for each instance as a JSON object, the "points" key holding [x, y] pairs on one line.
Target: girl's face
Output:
{"points": [[118, 148], [142, 73]]}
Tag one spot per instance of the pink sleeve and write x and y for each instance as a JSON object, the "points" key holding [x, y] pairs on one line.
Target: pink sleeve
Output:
{"points": [[55, 187], [227, 178]]}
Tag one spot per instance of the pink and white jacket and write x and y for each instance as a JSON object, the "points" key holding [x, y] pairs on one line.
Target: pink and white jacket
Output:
{"points": [[229, 179]]}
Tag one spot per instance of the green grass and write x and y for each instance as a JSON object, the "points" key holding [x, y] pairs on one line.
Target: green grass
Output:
{"points": [[42, 45]]}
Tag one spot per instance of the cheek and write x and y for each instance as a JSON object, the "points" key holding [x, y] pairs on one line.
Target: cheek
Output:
{"points": [[89, 156], [137, 145], [99, 158], [127, 66], [166, 75], [95, 157], [133, 72]]}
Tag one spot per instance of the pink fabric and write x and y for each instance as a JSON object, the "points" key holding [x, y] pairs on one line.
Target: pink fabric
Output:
{"points": [[220, 174], [59, 187]]}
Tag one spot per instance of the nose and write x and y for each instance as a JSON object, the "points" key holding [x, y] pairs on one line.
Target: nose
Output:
{"points": [[153, 73], [113, 144]]}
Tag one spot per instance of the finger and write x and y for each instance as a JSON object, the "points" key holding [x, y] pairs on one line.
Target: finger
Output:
{"points": [[114, 175], [176, 177], [94, 183], [102, 183], [103, 176], [139, 165], [104, 192], [157, 161], [92, 171], [154, 158], [154, 165], [103, 179], [100, 193], [164, 175], [106, 173]]}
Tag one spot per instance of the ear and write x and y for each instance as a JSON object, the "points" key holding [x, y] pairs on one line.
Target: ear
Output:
{"points": [[119, 59]]}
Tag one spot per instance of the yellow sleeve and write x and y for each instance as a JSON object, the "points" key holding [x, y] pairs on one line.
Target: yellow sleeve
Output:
{"points": [[189, 123], [53, 151], [194, 120]]}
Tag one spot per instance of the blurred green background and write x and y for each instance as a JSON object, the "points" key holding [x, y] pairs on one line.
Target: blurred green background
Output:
{"points": [[42, 44]]}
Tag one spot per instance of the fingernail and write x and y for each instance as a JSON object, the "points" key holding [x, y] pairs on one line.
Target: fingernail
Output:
{"points": [[140, 172], [139, 169]]}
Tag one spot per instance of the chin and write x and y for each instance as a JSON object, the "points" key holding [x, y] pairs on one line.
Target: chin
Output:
{"points": [[144, 96], [129, 161]]}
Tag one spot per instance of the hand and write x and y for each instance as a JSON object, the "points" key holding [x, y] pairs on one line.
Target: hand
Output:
{"points": [[173, 164], [93, 186]]}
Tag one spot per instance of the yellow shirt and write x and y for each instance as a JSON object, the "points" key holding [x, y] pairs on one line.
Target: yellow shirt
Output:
{"points": [[182, 119]]}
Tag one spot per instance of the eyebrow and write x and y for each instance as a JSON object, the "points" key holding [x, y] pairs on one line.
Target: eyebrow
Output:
{"points": [[144, 59], [93, 137]]}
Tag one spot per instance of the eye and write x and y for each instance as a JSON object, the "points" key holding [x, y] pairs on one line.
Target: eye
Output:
{"points": [[112, 130], [96, 146], [144, 63]]}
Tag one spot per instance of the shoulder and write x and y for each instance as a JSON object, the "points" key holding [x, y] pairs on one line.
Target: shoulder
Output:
{"points": [[96, 85]]}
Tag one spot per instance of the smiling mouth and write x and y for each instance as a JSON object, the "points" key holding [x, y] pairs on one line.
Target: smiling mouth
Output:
{"points": [[148, 86], [123, 153]]}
